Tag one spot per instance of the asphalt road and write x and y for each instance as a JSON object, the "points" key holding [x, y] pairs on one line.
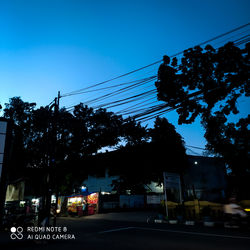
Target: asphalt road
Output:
{"points": [[130, 231]]}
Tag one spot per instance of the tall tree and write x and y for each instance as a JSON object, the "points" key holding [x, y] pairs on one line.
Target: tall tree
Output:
{"points": [[208, 83], [67, 138], [142, 163], [134, 133], [20, 113], [168, 146], [95, 129]]}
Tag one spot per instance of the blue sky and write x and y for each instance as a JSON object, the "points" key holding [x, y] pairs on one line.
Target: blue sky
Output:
{"points": [[51, 45]]}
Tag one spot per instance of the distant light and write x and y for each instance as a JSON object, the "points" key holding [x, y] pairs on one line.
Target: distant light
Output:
{"points": [[195, 162], [84, 188], [35, 200], [58, 211], [105, 193]]}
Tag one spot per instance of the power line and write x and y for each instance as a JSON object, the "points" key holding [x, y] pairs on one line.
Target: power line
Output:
{"points": [[193, 152], [195, 147], [123, 101], [128, 82], [224, 34], [113, 86], [119, 91], [149, 65], [131, 108], [232, 37], [150, 114], [112, 79], [140, 114], [123, 90]]}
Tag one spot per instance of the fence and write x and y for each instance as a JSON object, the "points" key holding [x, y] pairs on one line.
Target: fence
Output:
{"points": [[197, 209]]}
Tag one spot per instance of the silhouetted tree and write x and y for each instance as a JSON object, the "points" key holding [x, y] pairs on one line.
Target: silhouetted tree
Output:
{"points": [[20, 113], [133, 132], [208, 83], [66, 138], [168, 146], [143, 163]]}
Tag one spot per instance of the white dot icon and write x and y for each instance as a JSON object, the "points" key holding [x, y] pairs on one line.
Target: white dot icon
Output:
{"points": [[13, 229]]}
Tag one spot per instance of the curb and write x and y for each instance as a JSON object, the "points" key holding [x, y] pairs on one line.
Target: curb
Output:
{"points": [[173, 222], [208, 223], [187, 223]]}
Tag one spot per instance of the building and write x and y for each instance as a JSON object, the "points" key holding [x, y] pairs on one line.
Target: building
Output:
{"points": [[204, 178]]}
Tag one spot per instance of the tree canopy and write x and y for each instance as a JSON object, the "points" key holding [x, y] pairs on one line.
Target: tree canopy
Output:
{"points": [[42, 136], [39, 134], [207, 83], [144, 163]]}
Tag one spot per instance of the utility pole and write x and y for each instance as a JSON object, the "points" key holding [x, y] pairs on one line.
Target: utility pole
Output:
{"points": [[55, 168], [165, 193], [51, 173]]}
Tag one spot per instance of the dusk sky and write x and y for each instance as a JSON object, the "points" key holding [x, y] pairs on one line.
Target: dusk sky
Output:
{"points": [[48, 46]]}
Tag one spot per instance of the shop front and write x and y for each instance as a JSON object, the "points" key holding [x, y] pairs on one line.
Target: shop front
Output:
{"points": [[93, 200], [83, 204], [75, 204]]}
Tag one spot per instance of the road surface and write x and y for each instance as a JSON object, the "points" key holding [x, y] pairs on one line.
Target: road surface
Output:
{"points": [[130, 231]]}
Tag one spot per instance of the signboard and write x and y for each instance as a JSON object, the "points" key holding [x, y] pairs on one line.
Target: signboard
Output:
{"points": [[3, 129], [154, 199], [171, 180], [92, 198], [15, 192]]}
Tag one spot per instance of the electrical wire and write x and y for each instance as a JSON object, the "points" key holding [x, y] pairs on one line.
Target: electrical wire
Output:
{"points": [[138, 112], [149, 112], [195, 147], [137, 83], [114, 86], [193, 152], [112, 79], [121, 102], [76, 92], [121, 90]]}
